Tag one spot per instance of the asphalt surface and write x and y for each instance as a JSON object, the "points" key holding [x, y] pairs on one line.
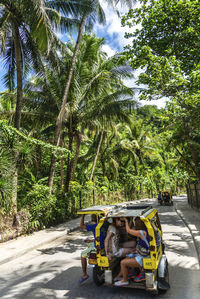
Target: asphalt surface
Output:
{"points": [[46, 265], [22, 245]]}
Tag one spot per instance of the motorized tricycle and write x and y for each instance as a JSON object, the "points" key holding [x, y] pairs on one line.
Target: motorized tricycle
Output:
{"points": [[165, 198], [155, 265]]}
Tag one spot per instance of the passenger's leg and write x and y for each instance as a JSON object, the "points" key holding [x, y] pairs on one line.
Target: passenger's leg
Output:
{"points": [[84, 266], [128, 263], [119, 276], [126, 251], [84, 255]]}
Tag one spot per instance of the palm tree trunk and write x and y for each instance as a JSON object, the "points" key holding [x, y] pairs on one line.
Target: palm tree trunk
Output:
{"points": [[103, 165], [61, 164], [61, 115], [68, 171], [38, 155], [61, 171], [96, 156], [17, 121], [78, 144], [52, 172], [18, 57], [135, 165], [93, 194]]}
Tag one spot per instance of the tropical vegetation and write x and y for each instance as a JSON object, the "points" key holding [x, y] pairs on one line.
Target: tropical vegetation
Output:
{"points": [[72, 134]]}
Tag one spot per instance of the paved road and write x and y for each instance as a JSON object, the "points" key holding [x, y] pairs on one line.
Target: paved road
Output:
{"points": [[52, 271]]}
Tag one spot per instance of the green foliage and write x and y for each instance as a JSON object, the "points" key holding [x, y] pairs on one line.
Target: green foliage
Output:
{"points": [[41, 205], [13, 133], [169, 28], [6, 170], [166, 48], [142, 149]]}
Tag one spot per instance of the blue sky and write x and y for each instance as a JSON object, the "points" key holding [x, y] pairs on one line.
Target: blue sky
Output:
{"points": [[2, 71], [115, 41]]}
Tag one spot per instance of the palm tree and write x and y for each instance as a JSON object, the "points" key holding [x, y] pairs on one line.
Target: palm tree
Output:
{"points": [[26, 29], [96, 94], [23, 36], [92, 12], [27, 33], [101, 95]]}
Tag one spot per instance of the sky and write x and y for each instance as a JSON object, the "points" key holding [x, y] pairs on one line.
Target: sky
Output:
{"points": [[2, 72], [115, 41]]}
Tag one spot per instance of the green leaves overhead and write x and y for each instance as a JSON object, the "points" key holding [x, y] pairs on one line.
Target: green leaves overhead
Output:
{"points": [[168, 28], [165, 47]]}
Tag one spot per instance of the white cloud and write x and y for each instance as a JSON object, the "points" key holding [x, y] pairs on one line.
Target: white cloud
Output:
{"points": [[160, 103], [59, 35], [109, 51], [113, 30]]}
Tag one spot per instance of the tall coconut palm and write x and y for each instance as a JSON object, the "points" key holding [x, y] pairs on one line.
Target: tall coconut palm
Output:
{"points": [[19, 45], [96, 93], [92, 12], [100, 95], [26, 30]]}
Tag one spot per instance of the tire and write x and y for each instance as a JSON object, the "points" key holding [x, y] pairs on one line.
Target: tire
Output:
{"points": [[163, 247], [98, 276], [166, 274], [154, 293], [163, 284]]}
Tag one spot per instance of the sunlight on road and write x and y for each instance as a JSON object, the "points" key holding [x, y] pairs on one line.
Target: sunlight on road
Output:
{"points": [[183, 261], [180, 249], [48, 293]]}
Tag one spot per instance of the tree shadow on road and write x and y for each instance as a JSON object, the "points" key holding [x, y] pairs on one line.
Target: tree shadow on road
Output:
{"points": [[65, 285], [70, 245]]}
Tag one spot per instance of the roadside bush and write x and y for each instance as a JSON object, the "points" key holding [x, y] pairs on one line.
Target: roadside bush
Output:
{"points": [[41, 206], [61, 209]]}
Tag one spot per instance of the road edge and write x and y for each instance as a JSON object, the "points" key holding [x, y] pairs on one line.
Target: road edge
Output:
{"points": [[195, 241]]}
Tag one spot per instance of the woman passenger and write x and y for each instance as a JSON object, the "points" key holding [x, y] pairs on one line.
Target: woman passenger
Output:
{"points": [[141, 233], [112, 240]]}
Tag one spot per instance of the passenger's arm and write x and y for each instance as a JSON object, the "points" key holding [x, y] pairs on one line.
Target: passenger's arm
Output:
{"points": [[108, 236], [130, 222], [130, 231], [82, 224]]}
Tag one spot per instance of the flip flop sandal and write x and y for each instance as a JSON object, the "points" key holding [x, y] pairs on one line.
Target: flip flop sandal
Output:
{"points": [[82, 279]]}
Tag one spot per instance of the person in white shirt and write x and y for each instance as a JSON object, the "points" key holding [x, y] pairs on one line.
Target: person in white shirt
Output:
{"points": [[112, 244]]}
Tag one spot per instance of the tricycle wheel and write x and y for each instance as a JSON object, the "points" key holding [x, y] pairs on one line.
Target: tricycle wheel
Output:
{"points": [[163, 283], [154, 293], [98, 276]]}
